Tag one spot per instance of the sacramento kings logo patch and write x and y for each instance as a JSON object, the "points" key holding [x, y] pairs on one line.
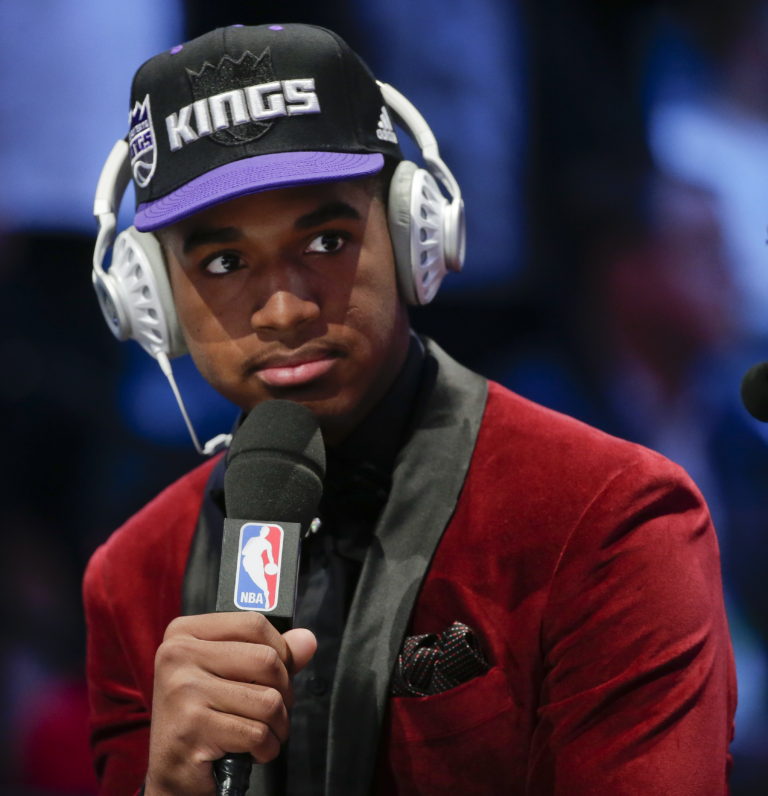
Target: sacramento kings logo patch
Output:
{"points": [[141, 140], [229, 75], [258, 572]]}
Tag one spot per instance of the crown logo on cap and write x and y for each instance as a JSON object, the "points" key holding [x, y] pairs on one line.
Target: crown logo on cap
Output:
{"points": [[141, 140], [234, 74]]}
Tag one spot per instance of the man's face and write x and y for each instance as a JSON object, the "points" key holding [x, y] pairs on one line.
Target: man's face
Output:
{"points": [[292, 294]]}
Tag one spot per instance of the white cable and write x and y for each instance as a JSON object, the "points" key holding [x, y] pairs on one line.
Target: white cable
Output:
{"points": [[113, 181], [213, 445]]}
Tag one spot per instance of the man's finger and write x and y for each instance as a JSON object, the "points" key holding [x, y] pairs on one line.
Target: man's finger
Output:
{"points": [[247, 626]]}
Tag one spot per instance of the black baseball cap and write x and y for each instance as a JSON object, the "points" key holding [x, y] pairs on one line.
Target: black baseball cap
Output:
{"points": [[245, 109]]}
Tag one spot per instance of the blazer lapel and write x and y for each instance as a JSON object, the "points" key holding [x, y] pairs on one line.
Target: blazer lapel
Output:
{"points": [[427, 481]]}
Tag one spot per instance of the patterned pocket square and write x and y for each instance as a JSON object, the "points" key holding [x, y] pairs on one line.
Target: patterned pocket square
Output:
{"points": [[434, 662]]}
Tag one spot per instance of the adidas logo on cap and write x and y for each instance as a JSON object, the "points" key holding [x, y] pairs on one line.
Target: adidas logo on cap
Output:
{"points": [[385, 131]]}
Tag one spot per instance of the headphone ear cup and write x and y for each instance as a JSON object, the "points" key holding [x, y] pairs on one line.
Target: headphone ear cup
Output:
{"points": [[399, 214], [137, 285], [417, 224], [455, 235]]}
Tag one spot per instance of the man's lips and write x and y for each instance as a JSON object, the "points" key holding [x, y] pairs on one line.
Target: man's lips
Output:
{"points": [[295, 373]]}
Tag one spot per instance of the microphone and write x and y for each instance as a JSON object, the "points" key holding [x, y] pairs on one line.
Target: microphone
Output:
{"points": [[754, 391], [272, 487]]}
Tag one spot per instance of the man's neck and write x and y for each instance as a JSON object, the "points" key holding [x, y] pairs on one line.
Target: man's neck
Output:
{"points": [[379, 435]]}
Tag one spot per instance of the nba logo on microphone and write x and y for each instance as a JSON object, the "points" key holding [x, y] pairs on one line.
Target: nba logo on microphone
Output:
{"points": [[258, 572]]}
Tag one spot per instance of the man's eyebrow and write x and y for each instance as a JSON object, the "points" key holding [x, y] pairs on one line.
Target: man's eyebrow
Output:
{"points": [[201, 237], [325, 213]]}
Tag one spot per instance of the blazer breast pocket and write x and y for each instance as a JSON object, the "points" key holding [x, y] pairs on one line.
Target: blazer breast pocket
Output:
{"points": [[466, 739]]}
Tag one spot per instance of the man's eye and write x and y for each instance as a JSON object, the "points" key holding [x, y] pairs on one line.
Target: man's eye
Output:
{"points": [[224, 264], [327, 243]]}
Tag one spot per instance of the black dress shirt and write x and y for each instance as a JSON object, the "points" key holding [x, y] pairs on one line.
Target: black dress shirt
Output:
{"points": [[357, 483]]}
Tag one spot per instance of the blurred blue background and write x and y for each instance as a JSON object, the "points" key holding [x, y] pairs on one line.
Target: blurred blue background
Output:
{"points": [[614, 164]]}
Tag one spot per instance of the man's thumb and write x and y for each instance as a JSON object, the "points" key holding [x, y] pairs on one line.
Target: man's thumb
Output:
{"points": [[301, 645]]}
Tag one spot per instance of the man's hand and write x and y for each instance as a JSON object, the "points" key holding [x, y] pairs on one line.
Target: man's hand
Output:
{"points": [[222, 684]]}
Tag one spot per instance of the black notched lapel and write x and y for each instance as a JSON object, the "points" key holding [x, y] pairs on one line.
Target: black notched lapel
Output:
{"points": [[406, 537]]}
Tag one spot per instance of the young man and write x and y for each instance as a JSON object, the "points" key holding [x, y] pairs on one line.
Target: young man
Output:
{"points": [[501, 599]]}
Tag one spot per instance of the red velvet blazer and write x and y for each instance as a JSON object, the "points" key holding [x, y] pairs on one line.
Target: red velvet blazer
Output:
{"points": [[587, 566]]}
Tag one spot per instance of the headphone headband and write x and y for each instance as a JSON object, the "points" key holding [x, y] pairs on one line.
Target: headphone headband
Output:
{"points": [[113, 182], [416, 126]]}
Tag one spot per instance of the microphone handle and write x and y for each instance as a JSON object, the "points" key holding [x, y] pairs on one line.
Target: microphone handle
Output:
{"points": [[232, 774], [275, 465]]}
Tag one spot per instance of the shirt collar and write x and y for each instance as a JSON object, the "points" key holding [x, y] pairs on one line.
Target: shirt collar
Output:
{"points": [[378, 438]]}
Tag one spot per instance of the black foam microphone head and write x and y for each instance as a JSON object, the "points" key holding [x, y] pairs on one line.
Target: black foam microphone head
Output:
{"points": [[275, 465], [754, 391]]}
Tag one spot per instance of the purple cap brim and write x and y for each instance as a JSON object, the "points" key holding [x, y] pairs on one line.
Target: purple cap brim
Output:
{"points": [[260, 173]]}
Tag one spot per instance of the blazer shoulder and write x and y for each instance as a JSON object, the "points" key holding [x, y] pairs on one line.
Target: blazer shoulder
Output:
{"points": [[159, 531], [568, 449]]}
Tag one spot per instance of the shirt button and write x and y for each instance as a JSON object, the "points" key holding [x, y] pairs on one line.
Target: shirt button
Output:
{"points": [[318, 685]]}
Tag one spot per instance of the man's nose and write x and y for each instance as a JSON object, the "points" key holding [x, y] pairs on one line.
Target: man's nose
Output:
{"points": [[287, 304]]}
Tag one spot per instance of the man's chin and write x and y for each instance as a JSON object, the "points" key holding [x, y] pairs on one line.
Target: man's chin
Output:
{"points": [[338, 411]]}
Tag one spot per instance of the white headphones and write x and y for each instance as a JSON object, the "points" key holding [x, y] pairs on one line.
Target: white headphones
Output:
{"points": [[427, 232]]}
